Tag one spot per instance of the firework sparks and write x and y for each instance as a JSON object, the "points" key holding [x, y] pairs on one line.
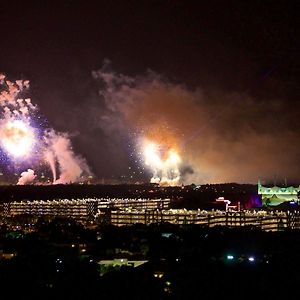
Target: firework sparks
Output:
{"points": [[164, 162], [21, 136]]}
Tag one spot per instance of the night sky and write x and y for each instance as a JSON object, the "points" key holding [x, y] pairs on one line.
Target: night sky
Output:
{"points": [[219, 77]]}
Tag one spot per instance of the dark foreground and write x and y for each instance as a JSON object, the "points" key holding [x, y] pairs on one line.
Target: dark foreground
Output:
{"points": [[59, 259]]}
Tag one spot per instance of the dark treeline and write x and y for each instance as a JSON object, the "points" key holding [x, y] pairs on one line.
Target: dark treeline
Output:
{"points": [[68, 191], [190, 197]]}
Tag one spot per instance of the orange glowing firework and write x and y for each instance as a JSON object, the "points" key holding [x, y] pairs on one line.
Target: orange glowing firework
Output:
{"points": [[164, 162], [17, 138]]}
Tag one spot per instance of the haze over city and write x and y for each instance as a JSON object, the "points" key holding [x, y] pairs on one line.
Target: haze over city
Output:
{"points": [[212, 90]]}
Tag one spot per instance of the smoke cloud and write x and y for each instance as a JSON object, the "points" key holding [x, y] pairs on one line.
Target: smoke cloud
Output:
{"points": [[222, 137], [27, 177], [71, 166]]}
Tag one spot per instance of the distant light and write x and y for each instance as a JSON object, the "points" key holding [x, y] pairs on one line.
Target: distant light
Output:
{"points": [[230, 257], [158, 274], [251, 258]]}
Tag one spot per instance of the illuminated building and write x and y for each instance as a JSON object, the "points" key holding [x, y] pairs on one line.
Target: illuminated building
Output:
{"points": [[124, 212], [275, 195], [122, 203], [269, 221], [108, 265], [79, 208]]}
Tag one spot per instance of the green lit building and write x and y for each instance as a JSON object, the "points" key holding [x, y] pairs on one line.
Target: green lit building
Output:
{"points": [[272, 196]]}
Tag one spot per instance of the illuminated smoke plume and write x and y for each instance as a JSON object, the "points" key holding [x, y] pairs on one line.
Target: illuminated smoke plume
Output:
{"points": [[27, 177], [221, 137], [70, 165], [50, 159], [24, 140]]}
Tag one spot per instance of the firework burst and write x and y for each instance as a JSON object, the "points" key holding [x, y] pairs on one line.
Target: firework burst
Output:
{"points": [[164, 161], [24, 142], [17, 138]]}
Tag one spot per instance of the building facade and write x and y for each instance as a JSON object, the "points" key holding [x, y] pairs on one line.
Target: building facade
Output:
{"points": [[85, 209], [272, 196]]}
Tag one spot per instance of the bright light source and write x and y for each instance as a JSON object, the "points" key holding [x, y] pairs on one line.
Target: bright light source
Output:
{"points": [[251, 258], [164, 161], [230, 257], [17, 138], [158, 275]]}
